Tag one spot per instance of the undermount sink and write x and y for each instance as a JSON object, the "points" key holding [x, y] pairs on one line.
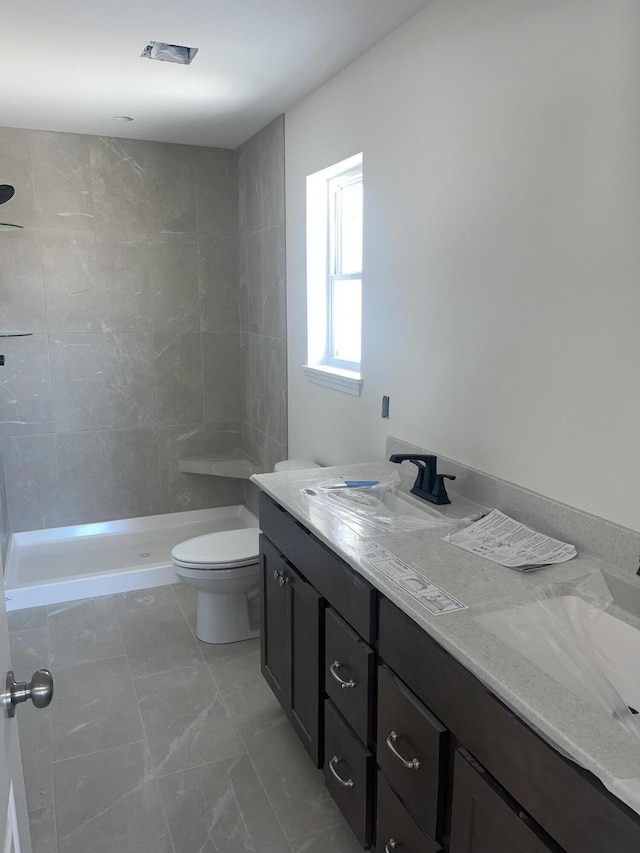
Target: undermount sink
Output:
{"points": [[458, 509], [403, 505], [581, 645]]}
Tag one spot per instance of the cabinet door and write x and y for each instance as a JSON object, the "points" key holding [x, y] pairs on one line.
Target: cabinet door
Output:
{"points": [[274, 646], [305, 618], [485, 819]]}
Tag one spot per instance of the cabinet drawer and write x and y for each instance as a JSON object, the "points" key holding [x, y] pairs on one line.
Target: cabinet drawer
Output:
{"points": [[348, 774], [484, 817], [570, 804], [395, 828], [349, 675], [331, 576], [412, 752]]}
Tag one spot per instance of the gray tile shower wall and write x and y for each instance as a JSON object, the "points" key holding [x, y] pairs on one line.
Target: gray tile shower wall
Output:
{"points": [[126, 272], [262, 298]]}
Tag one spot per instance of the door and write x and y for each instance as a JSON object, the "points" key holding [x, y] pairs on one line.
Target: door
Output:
{"points": [[486, 819], [14, 823], [305, 620], [274, 646]]}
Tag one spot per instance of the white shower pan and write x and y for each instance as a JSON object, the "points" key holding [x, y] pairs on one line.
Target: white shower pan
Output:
{"points": [[68, 563]]}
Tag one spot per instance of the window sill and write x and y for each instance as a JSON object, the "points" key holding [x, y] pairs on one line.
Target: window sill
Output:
{"points": [[331, 377]]}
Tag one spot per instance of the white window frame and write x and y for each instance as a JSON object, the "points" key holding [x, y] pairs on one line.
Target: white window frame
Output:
{"points": [[323, 256]]}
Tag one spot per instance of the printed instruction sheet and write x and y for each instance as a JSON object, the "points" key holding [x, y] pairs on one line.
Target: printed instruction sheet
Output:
{"points": [[503, 540]]}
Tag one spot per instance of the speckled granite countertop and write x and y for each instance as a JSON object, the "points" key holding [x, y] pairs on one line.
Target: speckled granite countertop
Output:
{"points": [[589, 735]]}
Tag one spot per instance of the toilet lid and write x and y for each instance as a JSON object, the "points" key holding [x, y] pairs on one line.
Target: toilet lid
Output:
{"points": [[228, 546]]}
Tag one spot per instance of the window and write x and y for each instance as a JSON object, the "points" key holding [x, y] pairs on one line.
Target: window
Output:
{"points": [[334, 275]]}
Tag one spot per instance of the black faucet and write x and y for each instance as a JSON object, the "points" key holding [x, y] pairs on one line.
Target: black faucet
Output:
{"points": [[429, 484]]}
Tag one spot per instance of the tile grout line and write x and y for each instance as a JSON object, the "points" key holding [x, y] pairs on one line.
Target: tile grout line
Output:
{"points": [[144, 731], [262, 786], [96, 752], [289, 844], [241, 738], [260, 782]]}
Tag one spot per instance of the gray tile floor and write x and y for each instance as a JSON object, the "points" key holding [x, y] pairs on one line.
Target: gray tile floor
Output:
{"points": [[158, 743]]}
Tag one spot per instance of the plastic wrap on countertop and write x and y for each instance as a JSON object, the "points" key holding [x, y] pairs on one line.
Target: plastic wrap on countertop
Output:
{"points": [[570, 632], [361, 508]]}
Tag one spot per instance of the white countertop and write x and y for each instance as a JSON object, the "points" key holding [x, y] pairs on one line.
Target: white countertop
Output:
{"points": [[587, 734]]}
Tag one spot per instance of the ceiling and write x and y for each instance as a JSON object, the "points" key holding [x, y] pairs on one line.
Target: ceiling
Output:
{"points": [[72, 65]]}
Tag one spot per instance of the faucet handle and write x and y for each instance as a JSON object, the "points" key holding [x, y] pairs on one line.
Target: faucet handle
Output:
{"points": [[439, 491]]}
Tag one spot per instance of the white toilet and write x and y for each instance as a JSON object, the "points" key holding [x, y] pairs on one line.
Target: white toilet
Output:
{"points": [[224, 567]]}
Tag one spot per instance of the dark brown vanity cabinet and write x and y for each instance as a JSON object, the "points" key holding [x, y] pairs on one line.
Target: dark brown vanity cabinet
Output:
{"points": [[292, 617], [485, 818], [364, 687], [318, 624], [508, 787]]}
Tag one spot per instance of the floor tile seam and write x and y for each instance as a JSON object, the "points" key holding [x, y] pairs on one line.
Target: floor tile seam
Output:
{"points": [[15, 633], [300, 838], [97, 752], [118, 627], [146, 735], [163, 671], [171, 668], [84, 663], [230, 715], [140, 610], [200, 766], [201, 652], [164, 813], [26, 628], [126, 651], [273, 806], [133, 687], [230, 663], [184, 616], [145, 608], [216, 696], [269, 801], [225, 762], [147, 741], [147, 747], [197, 666], [52, 809]]}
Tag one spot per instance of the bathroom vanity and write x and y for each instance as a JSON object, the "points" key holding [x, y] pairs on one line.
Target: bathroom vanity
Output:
{"points": [[424, 724]]}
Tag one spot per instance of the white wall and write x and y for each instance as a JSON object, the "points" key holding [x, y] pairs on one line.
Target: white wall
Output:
{"points": [[501, 146]]}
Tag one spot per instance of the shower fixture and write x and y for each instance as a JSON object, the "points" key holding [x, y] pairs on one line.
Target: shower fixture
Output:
{"points": [[6, 193]]}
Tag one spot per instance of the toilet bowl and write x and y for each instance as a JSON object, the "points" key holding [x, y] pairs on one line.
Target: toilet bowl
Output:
{"points": [[224, 568]]}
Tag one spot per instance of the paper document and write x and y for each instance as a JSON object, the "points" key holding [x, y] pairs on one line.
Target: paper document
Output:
{"points": [[431, 596], [503, 540]]}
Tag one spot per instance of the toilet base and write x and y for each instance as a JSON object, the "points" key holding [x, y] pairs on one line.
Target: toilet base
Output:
{"points": [[223, 618]]}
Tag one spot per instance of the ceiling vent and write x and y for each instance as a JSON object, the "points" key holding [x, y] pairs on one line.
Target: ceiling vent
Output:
{"points": [[169, 52]]}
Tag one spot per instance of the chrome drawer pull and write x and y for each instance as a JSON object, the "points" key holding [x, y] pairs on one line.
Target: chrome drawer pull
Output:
{"points": [[390, 845], [333, 670], [346, 783], [414, 764]]}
